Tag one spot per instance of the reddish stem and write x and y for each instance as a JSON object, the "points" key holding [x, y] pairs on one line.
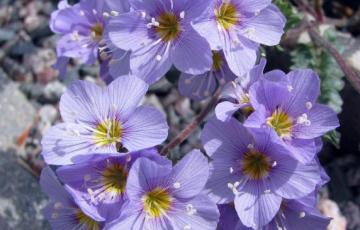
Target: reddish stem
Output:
{"points": [[184, 134], [352, 76]]}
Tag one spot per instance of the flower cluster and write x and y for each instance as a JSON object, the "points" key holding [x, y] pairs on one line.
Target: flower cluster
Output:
{"points": [[265, 173], [262, 173]]}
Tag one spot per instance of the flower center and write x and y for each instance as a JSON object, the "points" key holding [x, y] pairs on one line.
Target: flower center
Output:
{"points": [[97, 31], [226, 15], [114, 179], [217, 60], [86, 221], [108, 132], [156, 202], [281, 123], [256, 165], [169, 27]]}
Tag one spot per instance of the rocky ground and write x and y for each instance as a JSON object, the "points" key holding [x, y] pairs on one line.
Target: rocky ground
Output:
{"points": [[29, 95]]}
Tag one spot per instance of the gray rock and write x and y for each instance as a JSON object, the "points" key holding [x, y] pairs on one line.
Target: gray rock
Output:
{"points": [[21, 199], [6, 34], [53, 91], [16, 114]]}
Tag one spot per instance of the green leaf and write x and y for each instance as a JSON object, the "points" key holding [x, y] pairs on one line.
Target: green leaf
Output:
{"points": [[293, 17]]}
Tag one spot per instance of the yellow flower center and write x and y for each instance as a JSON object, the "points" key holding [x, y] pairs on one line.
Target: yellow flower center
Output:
{"points": [[157, 202], [108, 132], [255, 165], [281, 123], [217, 60], [169, 27], [114, 179], [97, 31], [226, 15], [86, 221]]}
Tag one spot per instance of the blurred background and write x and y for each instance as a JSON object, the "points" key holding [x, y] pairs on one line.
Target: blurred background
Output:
{"points": [[30, 92]]}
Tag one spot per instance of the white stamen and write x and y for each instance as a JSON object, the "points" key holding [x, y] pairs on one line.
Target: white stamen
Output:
{"points": [[94, 12], [177, 185], [153, 23], [158, 57], [114, 13], [290, 88], [274, 164], [302, 215], [143, 14], [182, 14], [231, 170], [82, 13], [303, 120], [230, 186], [106, 14], [267, 191], [250, 146], [309, 105], [187, 227], [128, 158], [190, 210], [236, 184]]}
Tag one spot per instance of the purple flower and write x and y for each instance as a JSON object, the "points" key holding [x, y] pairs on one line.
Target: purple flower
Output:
{"points": [[199, 87], [166, 197], [101, 182], [289, 107], [254, 169], [82, 28], [114, 63], [236, 93], [159, 33], [105, 121], [238, 27], [65, 212], [293, 215]]}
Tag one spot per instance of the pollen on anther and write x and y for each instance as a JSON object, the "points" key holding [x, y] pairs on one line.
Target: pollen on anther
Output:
{"points": [[231, 170], [158, 57], [308, 105], [114, 13], [250, 146], [302, 215], [290, 88], [182, 14], [106, 14], [177, 185], [94, 11], [274, 164]]}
